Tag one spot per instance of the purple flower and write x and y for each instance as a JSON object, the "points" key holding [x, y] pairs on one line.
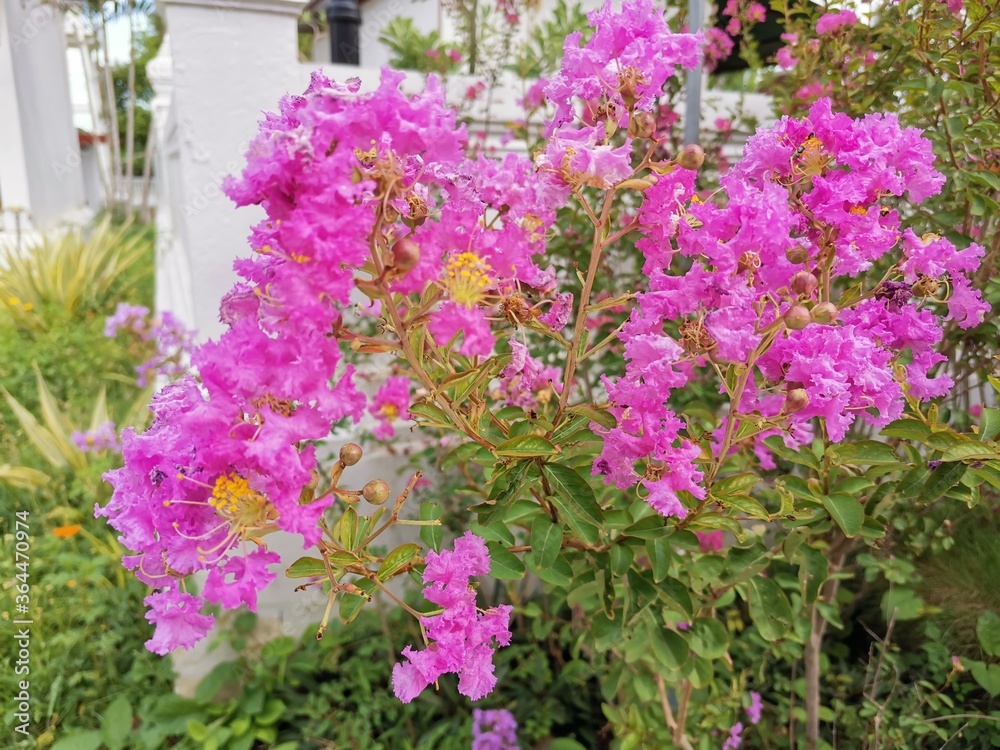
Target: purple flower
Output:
{"points": [[462, 637], [102, 438], [755, 708], [734, 740], [494, 730], [178, 623]]}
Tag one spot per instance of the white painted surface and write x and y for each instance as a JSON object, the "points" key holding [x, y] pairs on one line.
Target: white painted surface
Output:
{"points": [[44, 152]]}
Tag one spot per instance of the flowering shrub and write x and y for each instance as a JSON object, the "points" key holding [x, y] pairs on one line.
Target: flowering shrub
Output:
{"points": [[639, 509]]}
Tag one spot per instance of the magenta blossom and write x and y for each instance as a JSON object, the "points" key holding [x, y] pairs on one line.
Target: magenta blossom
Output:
{"points": [[462, 637], [830, 22], [390, 404]]}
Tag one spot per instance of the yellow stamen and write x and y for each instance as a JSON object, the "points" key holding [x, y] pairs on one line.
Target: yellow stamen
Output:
{"points": [[467, 279]]}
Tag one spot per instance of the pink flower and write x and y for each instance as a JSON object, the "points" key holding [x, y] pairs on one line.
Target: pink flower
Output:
{"points": [[710, 541], [178, 623], [755, 708], [524, 376], [830, 22], [390, 403], [785, 58], [462, 636], [718, 47], [452, 319]]}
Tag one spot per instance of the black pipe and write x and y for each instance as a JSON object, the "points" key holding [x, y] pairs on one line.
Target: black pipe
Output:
{"points": [[344, 19]]}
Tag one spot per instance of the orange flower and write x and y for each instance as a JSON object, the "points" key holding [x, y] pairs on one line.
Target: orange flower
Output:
{"points": [[65, 532]]}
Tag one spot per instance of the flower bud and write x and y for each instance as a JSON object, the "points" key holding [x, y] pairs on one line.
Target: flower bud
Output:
{"points": [[376, 492], [804, 283], [797, 317], [641, 124], [350, 454], [691, 156], [796, 400], [825, 313], [405, 254], [797, 254]]}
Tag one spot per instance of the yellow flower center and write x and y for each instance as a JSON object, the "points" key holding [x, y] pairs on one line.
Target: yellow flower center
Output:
{"points": [[859, 210], [390, 411], [467, 279], [233, 498]]}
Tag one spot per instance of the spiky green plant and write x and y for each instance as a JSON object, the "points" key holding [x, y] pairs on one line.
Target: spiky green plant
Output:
{"points": [[71, 271]]}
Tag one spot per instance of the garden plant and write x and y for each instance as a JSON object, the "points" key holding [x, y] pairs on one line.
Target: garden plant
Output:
{"points": [[698, 442]]}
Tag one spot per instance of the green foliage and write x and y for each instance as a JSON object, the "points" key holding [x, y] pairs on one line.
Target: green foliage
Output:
{"points": [[336, 692], [414, 50]]}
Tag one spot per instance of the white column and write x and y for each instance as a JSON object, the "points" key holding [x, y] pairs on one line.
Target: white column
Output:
{"points": [[14, 191], [231, 59], [33, 73]]}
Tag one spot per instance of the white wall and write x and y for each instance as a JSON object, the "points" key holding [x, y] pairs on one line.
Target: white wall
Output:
{"points": [[35, 76]]}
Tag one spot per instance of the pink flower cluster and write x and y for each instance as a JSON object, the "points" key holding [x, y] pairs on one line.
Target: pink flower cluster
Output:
{"points": [[810, 202], [462, 635], [173, 340], [629, 57]]}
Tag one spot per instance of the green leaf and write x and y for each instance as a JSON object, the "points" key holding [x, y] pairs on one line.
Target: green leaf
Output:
{"points": [[813, 571], [907, 429], [559, 573], [847, 511], [865, 452], [658, 552], [82, 741], [525, 446], [736, 485], [669, 647], [987, 675], [769, 608], [348, 529], [708, 638], [989, 424], [970, 451], [214, 680], [546, 541], [746, 504], [505, 495], [622, 557], [116, 724], [570, 485], [396, 560], [503, 563], [942, 479], [565, 743], [430, 535], [429, 414], [351, 604], [650, 527], [988, 632], [306, 567], [604, 418], [901, 603]]}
